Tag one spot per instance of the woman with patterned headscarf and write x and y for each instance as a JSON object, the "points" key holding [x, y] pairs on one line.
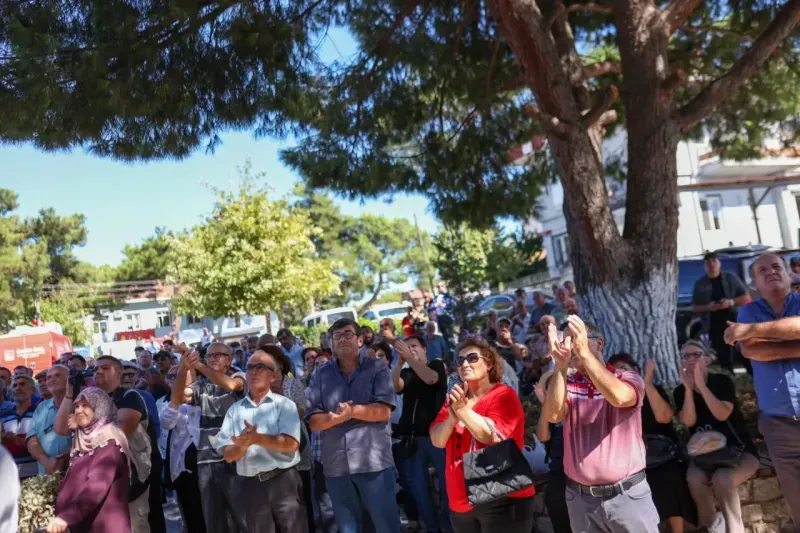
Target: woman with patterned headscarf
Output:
{"points": [[94, 495]]}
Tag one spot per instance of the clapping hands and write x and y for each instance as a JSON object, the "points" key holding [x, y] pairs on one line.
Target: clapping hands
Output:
{"points": [[560, 351], [344, 412], [248, 437]]}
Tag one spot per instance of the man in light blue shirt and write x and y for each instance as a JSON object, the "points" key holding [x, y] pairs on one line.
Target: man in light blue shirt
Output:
{"points": [[50, 449], [261, 434], [768, 331]]}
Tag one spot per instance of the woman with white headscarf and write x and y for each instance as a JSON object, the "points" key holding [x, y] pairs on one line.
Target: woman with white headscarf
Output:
{"points": [[94, 495]]}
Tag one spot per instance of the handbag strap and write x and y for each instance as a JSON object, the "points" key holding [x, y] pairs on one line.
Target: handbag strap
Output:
{"points": [[735, 434], [492, 430]]}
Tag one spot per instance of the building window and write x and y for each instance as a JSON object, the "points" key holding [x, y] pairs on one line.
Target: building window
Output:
{"points": [[132, 322], [711, 206], [191, 319], [162, 319], [561, 249]]}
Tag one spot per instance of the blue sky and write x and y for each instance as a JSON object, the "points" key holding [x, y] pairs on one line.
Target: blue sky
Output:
{"points": [[124, 202]]}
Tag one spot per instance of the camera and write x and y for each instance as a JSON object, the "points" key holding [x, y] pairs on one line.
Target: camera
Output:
{"points": [[78, 377]]}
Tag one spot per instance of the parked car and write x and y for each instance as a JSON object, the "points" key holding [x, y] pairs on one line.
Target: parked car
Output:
{"points": [[329, 316], [503, 303], [391, 310]]}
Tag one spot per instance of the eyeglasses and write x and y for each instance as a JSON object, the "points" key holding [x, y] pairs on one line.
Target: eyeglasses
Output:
{"points": [[259, 367], [129, 375], [347, 335], [692, 355], [171, 376], [471, 358], [217, 355]]}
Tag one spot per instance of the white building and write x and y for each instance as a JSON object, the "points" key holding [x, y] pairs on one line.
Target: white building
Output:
{"points": [[717, 199], [146, 313]]}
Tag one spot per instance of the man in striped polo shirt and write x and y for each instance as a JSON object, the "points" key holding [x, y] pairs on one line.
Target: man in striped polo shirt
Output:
{"points": [[214, 394], [604, 454]]}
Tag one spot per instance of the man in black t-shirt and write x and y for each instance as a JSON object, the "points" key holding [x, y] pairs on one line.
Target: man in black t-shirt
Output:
{"points": [[423, 385], [716, 297]]}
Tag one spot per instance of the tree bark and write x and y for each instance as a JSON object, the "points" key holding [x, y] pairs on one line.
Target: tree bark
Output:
{"points": [[374, 296], [625, 285]]}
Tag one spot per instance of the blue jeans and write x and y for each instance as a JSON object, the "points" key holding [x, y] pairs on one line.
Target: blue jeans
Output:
{"points": [[418, 479], [374, 491]]}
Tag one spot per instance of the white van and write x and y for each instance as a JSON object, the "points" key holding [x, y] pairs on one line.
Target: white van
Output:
{"points": [[329, 316], [377, 312]]}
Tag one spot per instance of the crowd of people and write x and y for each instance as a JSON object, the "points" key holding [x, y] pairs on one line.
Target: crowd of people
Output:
{"points": [[270, 435]]}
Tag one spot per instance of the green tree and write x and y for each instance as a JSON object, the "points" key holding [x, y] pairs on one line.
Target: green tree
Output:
{"points": [[513, 256], [60, 235], [149, 260], [432, 102], [372, 252], [463, 263], [69, 311], [250, 255]]}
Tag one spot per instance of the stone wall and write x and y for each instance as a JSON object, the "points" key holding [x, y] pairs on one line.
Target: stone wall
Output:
{"points": [[763, 507]]}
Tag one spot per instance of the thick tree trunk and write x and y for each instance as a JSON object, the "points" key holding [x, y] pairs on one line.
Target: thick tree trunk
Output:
{"points": [[625, 285], [375, 295]]}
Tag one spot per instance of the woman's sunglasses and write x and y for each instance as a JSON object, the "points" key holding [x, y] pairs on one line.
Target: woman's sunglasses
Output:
{"points": [[471, 358]]}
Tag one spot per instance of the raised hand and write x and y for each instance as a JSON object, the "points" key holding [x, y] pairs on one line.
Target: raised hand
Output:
{"points": [[700, 373], [580, 337], [72, 422], [686, 378], [540, 392], [457, 399], [560, 352], [403, 352]]}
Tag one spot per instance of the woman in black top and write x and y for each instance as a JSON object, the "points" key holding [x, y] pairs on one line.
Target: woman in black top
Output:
{"points": [[712, 406], [667, 480]]}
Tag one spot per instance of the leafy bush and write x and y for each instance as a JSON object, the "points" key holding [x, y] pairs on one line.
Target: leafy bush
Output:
{"points": [[309, 334], [37, 502]]}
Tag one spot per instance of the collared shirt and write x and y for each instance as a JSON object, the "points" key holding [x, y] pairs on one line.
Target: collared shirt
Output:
{"points": [[445, 303], [548, 309], [184, 423], [436, 347], [602, 443], [51, 442], [19, 425], [274, 415], [214, 402], [777, 382], [353, 447], [296, 357], [703, 291]]}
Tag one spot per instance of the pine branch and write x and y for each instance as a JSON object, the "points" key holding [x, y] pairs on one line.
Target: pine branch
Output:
{"points": [[716, 29], [748, 66], [560, 9], [678, 12], [549, 122], [596, 113], [594, 70]]}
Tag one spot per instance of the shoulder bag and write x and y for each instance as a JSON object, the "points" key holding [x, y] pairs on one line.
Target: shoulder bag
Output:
{"points": [[659, 450], [710, 449], [494, 472]]}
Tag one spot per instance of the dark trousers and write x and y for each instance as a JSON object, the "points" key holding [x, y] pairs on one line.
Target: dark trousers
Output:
{"points": [[511, 515], [326, 520], [308, 498], [274, 505], [782, 436], [155, 517], [190, 502], [409, 505], [217, 492], [556, 502]]}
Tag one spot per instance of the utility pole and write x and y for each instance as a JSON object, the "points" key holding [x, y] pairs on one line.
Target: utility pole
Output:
{"points": [[424, 253]]}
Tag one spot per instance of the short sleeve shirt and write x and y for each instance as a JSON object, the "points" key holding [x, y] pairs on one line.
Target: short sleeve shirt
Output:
{"points": [[356, 446], [602, 444], [214, 402], [502, 406], [725, 390], [42, 427], [17, 424], [274, 415], [421, 401], [777, 382]]}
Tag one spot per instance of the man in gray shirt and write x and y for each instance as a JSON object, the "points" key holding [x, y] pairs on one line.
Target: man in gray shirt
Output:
{"points": [[351, 400], [214, 395]]}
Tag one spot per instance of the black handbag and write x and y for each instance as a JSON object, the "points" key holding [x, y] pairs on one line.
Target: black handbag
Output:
{"points": [[494, 472], [659, 450]]}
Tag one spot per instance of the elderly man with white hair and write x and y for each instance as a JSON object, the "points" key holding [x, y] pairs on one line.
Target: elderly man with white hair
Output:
{"points": [[50, 449]]}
